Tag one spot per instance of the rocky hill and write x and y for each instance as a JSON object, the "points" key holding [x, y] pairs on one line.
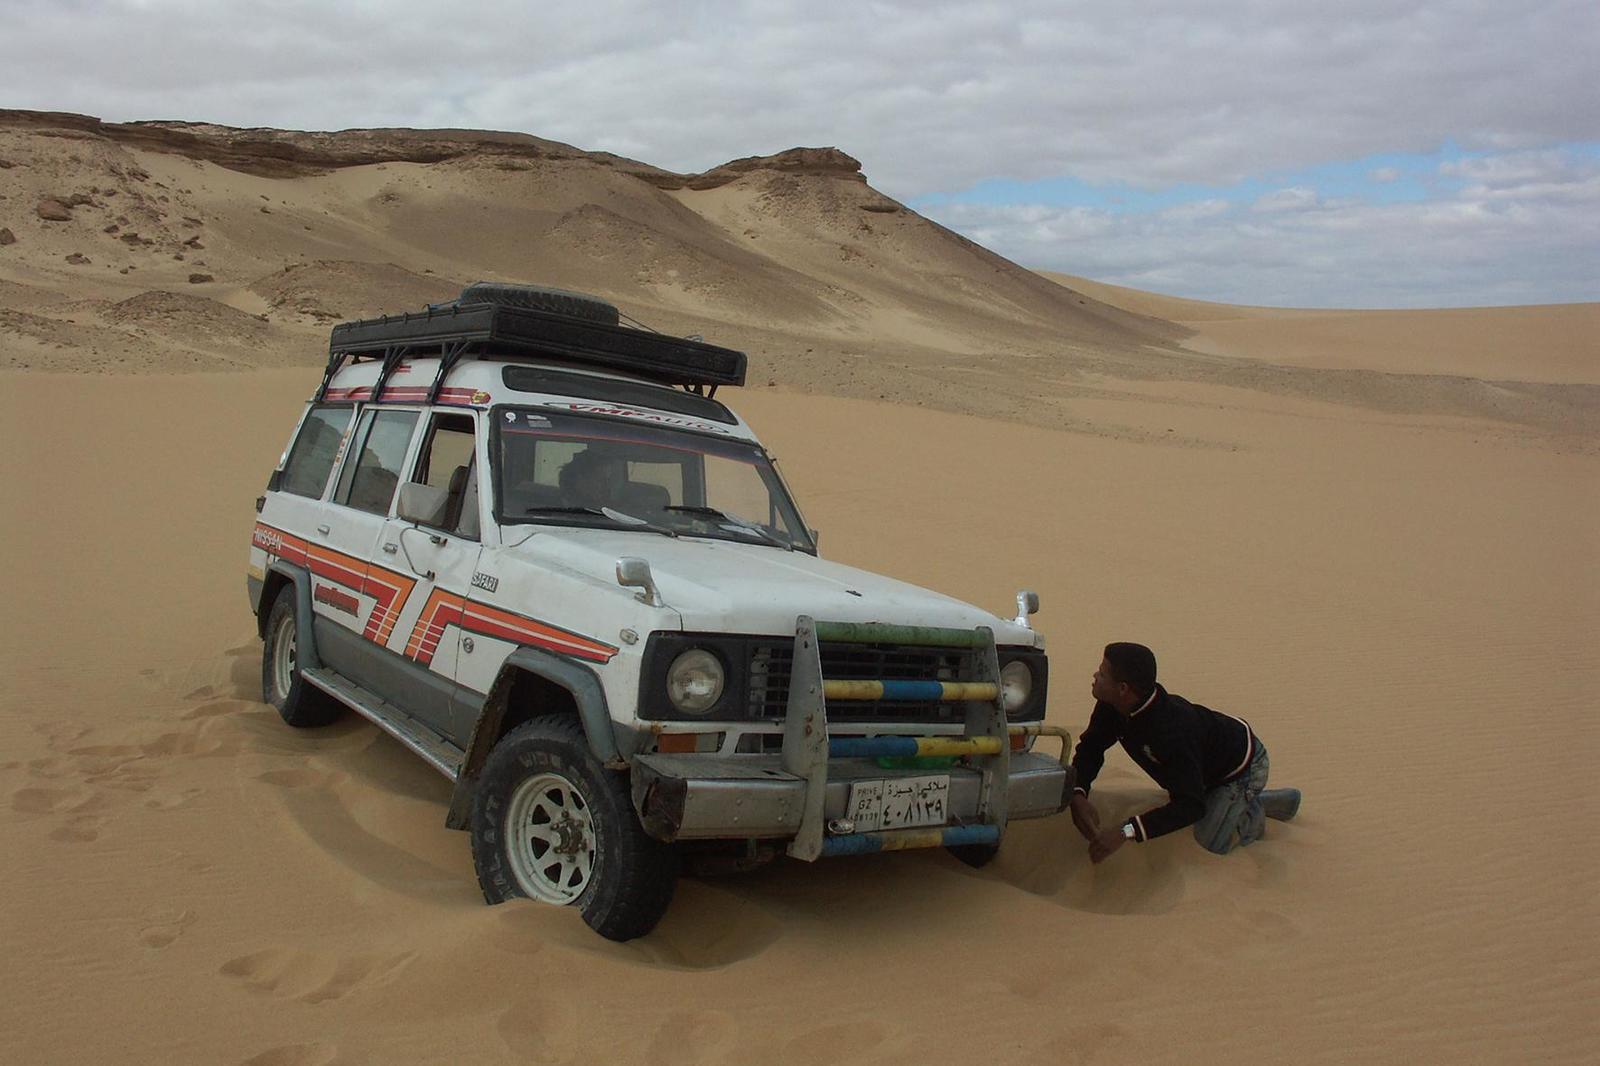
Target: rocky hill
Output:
{"points": [[269, 236]]}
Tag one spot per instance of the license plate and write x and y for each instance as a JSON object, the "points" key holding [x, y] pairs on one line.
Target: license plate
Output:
{"points": [[899, 803]]}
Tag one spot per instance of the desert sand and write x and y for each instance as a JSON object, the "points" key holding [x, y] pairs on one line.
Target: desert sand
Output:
{"points": [[1387, 563]]}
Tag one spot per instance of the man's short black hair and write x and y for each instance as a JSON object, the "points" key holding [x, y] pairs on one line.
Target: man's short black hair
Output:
{"points": [[1133, 664]]}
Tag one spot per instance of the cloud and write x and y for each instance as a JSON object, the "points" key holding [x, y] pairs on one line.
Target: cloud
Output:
{"points": [[1524, 229], [1298, 198], [931, 96], [937, 96]]}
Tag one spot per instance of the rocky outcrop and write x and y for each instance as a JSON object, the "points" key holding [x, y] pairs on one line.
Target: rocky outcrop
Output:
{"points": [[813, 162], [293, 153]]}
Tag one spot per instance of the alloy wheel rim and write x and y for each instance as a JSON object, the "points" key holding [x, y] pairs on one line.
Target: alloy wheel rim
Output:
{"points": [[550, 838], [283, 658]]}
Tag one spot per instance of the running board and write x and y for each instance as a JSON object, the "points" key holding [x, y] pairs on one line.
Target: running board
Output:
{"points": [[436, 751]]}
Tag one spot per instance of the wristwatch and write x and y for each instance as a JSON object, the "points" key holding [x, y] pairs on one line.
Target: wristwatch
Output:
{"points": [[1128, 832]]}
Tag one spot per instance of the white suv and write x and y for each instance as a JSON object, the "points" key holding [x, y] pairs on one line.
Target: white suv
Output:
{"points": [[528, 542]]}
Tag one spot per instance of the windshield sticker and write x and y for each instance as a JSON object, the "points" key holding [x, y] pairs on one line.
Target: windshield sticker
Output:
{"points": [[648, 416], [527, 420]]}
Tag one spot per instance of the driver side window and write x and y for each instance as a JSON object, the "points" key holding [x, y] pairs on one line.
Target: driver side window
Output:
{"points": [[448, 461]]}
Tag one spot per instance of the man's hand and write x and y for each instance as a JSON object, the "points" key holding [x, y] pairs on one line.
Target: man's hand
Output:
{"points": [[1108, 841], [1084, 816]]}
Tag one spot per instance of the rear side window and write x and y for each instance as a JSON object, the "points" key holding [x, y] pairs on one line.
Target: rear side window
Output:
{"points": [[375, 475], [311, 458]]}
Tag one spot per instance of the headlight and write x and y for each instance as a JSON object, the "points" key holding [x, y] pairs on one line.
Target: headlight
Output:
{"points": [[1016, 685], [694, 681]]}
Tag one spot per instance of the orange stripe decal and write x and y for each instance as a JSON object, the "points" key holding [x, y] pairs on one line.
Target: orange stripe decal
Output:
{"points": [[391, 591]]}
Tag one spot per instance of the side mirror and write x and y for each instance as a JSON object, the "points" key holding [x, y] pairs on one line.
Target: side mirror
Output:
{"points": [[1027, 604], [633, 572], [422, 504], [816, 538]]}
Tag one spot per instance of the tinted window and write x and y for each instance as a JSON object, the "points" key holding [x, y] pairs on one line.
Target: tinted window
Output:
{"points": [[316, 447], [385, 436]]}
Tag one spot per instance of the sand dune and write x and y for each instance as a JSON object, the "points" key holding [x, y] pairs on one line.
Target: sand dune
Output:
{"points": [[1554, 343], [173, 842], [1392, 574]]}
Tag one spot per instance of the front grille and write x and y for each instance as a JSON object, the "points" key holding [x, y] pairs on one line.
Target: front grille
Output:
{"points": [[770, 665]]}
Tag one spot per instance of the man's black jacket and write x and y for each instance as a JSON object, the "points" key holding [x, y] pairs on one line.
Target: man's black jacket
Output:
{"points": [[1187, 748]]}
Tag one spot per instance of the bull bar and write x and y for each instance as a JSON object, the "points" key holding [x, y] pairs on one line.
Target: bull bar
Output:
{"points": [[802, 794]]}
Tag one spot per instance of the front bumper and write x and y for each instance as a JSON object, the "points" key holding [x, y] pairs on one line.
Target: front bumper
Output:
{"points": [[710, 797]]}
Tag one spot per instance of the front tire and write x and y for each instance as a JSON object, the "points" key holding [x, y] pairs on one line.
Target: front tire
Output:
{"points": [[302, 705], [549, 823]]}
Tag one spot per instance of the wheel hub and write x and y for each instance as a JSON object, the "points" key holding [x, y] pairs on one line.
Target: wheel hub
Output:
{"points": [[570, 836], [550, 838]]}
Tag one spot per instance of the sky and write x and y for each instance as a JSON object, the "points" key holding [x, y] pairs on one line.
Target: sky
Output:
{"points": [[1370, 153]]}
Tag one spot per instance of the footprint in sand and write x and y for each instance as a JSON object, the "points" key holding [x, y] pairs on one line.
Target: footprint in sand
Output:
{"points": [[690, 1037], [163, 931], [312, 977], [173, 800], [46, 800], [838, 1042], [531, 1028], [301, 778], [190, 742], [83, 821], [294, 1055], [82, 825], [47, 768], [707, 928], [217, 708], [59, 736], [80, 830]]}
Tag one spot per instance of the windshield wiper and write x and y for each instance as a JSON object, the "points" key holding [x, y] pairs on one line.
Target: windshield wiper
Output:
{"points": [[738, 523], [627, 521]]}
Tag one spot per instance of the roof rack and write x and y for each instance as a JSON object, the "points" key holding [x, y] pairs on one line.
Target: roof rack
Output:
{"points": [[452, 332]]}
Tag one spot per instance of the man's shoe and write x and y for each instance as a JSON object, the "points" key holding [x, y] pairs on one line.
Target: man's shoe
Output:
{"points": [[1281, 804]]}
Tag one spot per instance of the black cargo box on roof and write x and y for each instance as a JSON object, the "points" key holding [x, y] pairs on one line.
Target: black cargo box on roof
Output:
{"points": [[452, 332]]}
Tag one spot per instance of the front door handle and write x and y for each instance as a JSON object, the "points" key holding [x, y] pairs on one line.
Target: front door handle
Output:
{"points": [[323, 530], [391, 548]]}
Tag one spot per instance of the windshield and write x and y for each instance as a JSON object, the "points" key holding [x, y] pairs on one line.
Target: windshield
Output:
{"points": [[564, 469]]}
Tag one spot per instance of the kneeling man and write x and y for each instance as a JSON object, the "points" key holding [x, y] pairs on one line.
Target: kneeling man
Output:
{"points": [[1212, 765]]}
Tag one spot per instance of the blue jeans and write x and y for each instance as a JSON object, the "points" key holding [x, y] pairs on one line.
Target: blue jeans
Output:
{"points": [[1234, 817]]}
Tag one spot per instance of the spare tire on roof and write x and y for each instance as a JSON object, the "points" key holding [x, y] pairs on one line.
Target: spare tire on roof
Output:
{"points": [[539, 298]]}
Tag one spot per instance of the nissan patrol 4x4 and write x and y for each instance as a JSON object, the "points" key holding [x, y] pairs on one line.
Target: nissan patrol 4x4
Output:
{"points": [[529, 542]]}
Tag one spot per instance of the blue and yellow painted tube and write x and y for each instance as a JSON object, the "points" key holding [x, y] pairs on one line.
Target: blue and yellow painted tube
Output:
{"points": [[904, 839], [943, 691], [920, 636], [910, 747]]}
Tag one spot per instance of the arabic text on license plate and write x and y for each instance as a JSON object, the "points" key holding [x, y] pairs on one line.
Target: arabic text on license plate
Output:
{"points": [[899, 803]]}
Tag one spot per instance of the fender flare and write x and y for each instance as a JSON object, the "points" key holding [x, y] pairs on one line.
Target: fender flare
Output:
{"points": [[305, 635], [579, 681]]}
